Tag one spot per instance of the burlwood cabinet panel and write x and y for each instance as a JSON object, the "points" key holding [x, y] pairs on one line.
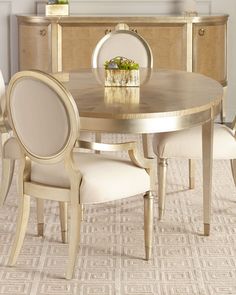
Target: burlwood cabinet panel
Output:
{"points": [[66, 43], [168, 44], [35, 47], [78, 43], [209, 50]]}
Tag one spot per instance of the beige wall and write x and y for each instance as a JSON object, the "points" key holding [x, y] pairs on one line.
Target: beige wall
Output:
{"points": [[8, 26]]}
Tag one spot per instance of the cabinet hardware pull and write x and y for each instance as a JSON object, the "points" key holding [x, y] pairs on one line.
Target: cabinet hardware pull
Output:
{"points": [[201, 32], [42, 32], [107, 31]]}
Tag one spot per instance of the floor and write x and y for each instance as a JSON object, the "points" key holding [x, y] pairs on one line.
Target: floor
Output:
{"points": [[110, 259]]}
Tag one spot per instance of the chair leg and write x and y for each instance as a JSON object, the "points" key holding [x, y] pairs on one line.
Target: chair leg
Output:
{"points": [[233, 169], [7, 174], [162, 169], [22, 221], [148, 223], [73, 239], [40, 216], [191, 168], [63, 207]]}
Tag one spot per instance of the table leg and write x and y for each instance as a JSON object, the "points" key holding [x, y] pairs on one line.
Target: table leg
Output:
{"points": [[207, 154]]}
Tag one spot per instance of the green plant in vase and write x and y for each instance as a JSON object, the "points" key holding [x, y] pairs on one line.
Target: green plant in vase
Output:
{"points": [[121, 63], [62, 1], [121, 71]]}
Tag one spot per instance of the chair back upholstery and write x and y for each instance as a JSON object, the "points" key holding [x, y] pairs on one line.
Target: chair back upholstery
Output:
{"points": [[122, 42], [43, 115]]}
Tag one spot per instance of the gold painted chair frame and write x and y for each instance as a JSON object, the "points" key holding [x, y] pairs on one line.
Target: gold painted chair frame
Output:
{"points": [[162, 175], [7, 164], [63, 195]]}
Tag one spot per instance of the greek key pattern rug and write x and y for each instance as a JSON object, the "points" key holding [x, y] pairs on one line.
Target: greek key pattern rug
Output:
{"points": [[110, 258]]}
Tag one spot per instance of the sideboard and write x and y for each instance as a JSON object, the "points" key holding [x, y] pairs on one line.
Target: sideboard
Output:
{"points": [[66, 43]]}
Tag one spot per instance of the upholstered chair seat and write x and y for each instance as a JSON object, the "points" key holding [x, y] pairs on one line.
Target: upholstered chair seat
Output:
{"points": [[101, 177], [187, 144]]}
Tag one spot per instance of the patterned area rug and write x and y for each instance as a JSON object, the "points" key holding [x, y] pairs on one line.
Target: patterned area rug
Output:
{"points": [[110, 258]]}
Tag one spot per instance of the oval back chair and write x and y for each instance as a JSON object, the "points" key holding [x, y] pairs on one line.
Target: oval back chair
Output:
{"points": [[124, 43], [129, 44], [45, 121]]}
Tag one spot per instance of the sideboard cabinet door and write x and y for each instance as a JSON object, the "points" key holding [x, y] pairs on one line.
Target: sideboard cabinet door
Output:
{"points": [[209, 51], [78, 43], [34, 47], [168, 44]]}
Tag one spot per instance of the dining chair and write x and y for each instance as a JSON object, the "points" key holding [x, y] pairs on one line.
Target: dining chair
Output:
{"points": [[122, 42], [7, 164], [127, 43], [187, 144], [45, 122]]}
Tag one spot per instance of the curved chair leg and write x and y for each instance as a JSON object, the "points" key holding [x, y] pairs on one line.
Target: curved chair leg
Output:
{"points": [[148, 223], [162, 168], [23, 216], [73, 239], [63, 207], [7, 174], [191, 169], [40, 216], [233, 169]]}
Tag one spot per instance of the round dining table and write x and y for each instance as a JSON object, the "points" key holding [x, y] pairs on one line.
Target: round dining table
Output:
{"points": [[166, 100]]}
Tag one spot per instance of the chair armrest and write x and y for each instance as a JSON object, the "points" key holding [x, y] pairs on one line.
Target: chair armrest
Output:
{"points": [[130, 147], [11, 149], [105, 147]]}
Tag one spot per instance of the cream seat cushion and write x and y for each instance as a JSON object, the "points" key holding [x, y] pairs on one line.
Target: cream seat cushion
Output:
{"points": [[103, 178], [188, 143]]}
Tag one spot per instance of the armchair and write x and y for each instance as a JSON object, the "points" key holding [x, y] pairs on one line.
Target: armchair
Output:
{"points": [[7, 164], [187, 144], [129, 44], [45, 122]]}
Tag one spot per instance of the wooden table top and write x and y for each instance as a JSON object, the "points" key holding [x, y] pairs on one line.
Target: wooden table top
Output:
{"points": [[162, 95]]}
